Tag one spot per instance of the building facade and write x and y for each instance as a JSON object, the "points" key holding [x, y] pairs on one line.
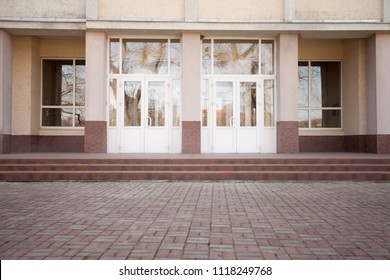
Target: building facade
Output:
{"points": [[195, 76]]}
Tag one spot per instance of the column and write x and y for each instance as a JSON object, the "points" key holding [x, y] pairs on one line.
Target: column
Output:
{"points": [[95, 139], [191, 125], [5, 91], [287, 94], [378, 97], [354, 95]]}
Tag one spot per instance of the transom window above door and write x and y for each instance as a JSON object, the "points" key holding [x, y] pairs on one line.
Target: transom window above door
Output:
{"points": [[145, 56], [237, 57]]}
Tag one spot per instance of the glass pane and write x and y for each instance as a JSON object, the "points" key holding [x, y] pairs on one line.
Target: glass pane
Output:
{"points": [[67, 84], [206, 57], [236, 57], [57, 82], [325, 84], [325, 118], [175, 57], [80, 83], [114, 56], [156, 104], [267, 57], [224, 103], [303, 118], [176, 103], [145, 56], [205, 101], [132, 101], [57, 117], [79, 117], [112, 102], [247, 104], [303, 79], [269, 106]]}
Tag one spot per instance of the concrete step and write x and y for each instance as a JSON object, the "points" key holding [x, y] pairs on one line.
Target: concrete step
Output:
{"points": [[193, 167], [111, 169], [30, 176]]}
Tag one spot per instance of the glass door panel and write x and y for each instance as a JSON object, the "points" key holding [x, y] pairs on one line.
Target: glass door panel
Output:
{"points": [[156, 104], [247, 104], [132, 103], [224, 103], [224, 132]]}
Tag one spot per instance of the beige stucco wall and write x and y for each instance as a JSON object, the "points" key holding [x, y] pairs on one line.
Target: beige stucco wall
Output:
{"points": [[287, 84], [354, 87], [241, 10], [5, 82], [25, 85], [191, 68], [142, 9], [62, 47], [60, 9], [338, 9], [96, 75], [320, 49], [383, 83]]}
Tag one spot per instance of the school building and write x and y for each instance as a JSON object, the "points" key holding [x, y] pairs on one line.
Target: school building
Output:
{"points": [[195, 76]]}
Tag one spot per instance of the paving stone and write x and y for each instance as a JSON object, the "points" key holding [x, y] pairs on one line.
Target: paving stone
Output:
{"points": [[195, 220]]}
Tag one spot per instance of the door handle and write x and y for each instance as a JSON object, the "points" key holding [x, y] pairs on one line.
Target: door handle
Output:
{"points": [[149, 121], [231, 121]]}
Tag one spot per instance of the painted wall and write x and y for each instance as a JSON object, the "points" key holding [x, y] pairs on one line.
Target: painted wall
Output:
{"points": [[338, 9], [142, 9], [287, 84], [191, 48], [62, 9], [62, 47], [25, 85], [96, 75], [354, 87], [320, 49], [241, 10], [5, 82]]}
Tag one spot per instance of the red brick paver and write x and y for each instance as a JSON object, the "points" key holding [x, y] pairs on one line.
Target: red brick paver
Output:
{"points": [[195, 220]]}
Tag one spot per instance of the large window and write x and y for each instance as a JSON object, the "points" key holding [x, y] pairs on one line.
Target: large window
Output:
{"points": [[63, 93], [145, 56], [319, 94], [237, 57]]}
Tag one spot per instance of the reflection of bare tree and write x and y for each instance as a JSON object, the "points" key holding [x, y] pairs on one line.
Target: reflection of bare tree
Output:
{"points": [[132, 104], [144, 56]]}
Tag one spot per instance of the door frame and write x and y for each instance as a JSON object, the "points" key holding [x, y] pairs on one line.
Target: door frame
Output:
{"points": [[117, 133]]}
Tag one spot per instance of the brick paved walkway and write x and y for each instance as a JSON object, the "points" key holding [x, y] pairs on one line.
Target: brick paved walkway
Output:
{"points": [[195, 220]]}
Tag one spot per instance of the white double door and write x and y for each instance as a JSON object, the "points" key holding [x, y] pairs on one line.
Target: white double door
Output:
{"points": [[148, 117], [236, 116]]}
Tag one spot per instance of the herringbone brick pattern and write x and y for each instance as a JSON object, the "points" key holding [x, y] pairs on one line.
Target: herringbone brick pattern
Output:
{"points": [[195, 220]]}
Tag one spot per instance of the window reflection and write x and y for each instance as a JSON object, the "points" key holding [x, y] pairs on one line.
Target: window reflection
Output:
{"points": [[63, 92], [156, 103], [303, 81], [224, 103], [114, 56], [267, 57], [236, 57], [132, 101], [205, 101], [176, 103], [269, 103], [145, 56], [206, 57], [112, 102], [247, 104]]}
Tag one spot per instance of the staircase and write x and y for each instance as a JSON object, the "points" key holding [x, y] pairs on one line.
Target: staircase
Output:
{"points": [[80, 168]]}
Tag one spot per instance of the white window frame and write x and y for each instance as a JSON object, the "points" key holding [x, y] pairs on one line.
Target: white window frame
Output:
{"points": [[73, 107], [309, 108]]}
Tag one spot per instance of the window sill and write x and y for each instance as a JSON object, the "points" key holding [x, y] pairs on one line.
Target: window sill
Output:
{"points": [[321, 132], [66, 131]]}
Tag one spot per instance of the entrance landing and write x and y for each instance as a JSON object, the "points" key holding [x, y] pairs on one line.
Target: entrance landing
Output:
{"points": [[124, 167]]}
